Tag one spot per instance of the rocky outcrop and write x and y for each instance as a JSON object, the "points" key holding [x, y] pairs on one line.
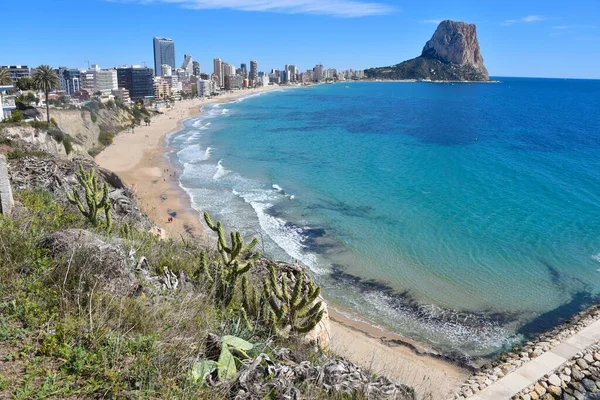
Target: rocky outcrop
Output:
{"points": [[452, 54], [456, 42], [6, 198], [263, 376]]}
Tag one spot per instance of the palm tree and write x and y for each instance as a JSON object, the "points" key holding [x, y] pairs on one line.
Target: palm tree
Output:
{"points": [[44, 78], [5, 77]]}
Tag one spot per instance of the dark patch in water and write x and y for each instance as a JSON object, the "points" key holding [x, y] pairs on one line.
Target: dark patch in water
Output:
{"points": [[404, 301], [343, 208], [548, 320]]}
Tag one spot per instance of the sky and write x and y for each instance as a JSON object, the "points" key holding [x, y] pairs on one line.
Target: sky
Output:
{"points": [[528, 38]]}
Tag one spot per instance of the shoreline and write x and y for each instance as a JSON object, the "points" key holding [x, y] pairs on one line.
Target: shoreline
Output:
{"points": [[141, 159]]}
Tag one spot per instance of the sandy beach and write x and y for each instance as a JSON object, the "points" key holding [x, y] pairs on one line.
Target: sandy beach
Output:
{"points": [[138, 157]]}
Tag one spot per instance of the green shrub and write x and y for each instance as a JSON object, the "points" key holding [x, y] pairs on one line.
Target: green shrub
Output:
{"points": [[106, 138], [57, 135], [41, 125], [94, 117], [16, 116], [68, 144], [53, 122]]}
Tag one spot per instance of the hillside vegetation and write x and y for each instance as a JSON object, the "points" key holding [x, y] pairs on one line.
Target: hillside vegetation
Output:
{"points": [[97, 307]]}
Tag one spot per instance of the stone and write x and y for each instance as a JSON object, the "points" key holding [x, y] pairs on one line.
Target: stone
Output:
{"points": [[596, 356], [588, 358], [526, 397], [567, 396], [567, 371], [579, 395], [6, 198], [539, 389], [582, 363], [590, 385], [577, 374], [555, 390], [554, 380], [534, 395], [565, 378]]}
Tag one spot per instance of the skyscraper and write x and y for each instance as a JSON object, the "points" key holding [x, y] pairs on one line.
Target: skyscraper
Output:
{"points": [[253, 70], [218, 66], [164, 53], [244, 70], [196, 68], [188, 64]]}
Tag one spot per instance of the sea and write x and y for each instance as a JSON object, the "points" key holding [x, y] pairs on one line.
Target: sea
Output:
{"points": [[464, 216]]}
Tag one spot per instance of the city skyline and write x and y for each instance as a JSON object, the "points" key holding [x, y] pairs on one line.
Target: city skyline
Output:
{"points": [[515, 38]]}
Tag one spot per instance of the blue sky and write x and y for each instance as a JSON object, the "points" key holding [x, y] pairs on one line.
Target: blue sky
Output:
{"points": [[549, 38]]}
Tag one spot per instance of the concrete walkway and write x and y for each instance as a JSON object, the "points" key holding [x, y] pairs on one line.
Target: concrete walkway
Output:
{"points": [[534, 370]]}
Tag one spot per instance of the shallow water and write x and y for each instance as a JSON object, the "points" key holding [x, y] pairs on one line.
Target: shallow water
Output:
{"points": [[465, 216]]}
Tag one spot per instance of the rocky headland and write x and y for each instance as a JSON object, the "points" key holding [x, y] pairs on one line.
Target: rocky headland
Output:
{"points": [[452, 54]]}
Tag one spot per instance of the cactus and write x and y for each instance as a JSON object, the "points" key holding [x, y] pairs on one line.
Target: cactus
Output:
{"points": [[295, 311], [231, 267], [253, 303], [96, 199]]}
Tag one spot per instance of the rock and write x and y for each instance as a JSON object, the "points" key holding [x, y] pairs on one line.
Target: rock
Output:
{"points": [[582, 364], [534, 395], [565, 378], [577, 374], [588, 358], [590, 385], [555, 390], [539, 389], [567, 371], [452, 53], [526, 397], [596, 356], [554, 380], [579, 395], [6, 198]]}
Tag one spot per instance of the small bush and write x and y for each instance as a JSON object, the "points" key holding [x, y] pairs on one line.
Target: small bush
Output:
{"points": [[94, 117], [16, 116], [53, 122], [57, 135], [41, 125], [68, 144], [106, 138]]}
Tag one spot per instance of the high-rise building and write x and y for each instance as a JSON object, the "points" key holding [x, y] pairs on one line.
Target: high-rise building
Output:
{"points": [[17, 72], [253, 70], [218, 67], [164, 53], [69, 78], [188, 65], [244, 70], [106, 81], [318, 73], [137, 80], [195, 68]]}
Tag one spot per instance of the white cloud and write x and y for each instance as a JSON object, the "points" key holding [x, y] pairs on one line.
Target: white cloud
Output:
{"points": [[336, 8], [432, 21], [527, 19], [532, 18], [574, 27]]}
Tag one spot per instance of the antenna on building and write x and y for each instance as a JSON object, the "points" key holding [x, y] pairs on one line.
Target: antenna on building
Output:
{"points": [[88, 63], [144, 63]]}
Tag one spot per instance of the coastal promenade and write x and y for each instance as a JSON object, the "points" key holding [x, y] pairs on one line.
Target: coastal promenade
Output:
{"points": [[532, 371]]}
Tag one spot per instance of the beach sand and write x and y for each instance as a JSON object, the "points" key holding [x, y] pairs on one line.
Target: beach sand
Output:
{"points": [[139, 159]]}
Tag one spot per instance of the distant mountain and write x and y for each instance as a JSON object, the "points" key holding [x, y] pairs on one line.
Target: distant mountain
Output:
{"points": [[452, 54]]}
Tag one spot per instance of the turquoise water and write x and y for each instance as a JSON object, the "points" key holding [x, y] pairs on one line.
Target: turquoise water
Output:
{"points": [[465, 216]]}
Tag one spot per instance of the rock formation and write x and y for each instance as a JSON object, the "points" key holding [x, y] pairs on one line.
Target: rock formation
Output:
{"points": [[6, 199], [451, 54]]}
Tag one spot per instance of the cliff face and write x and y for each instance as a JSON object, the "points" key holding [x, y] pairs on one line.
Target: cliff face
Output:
{"points": [[452, 53]]}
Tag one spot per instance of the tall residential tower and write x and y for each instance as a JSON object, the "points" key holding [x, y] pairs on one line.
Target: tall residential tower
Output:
{"points": [[164, 53]]}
